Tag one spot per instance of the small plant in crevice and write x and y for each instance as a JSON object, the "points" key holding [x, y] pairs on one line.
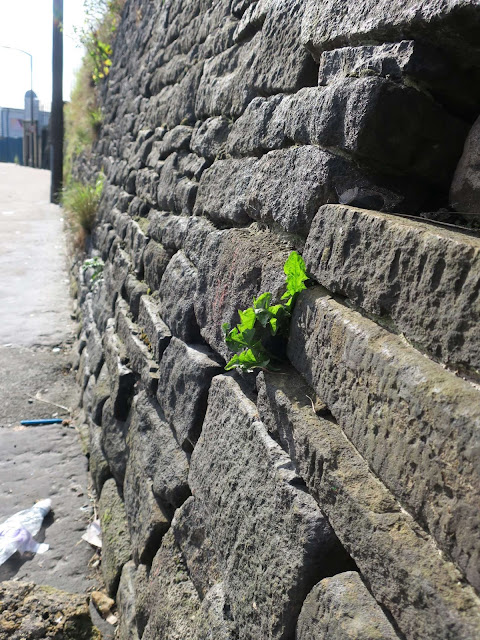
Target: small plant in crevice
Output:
{"points": [[81, 200], [96, 264], [252, 340]]}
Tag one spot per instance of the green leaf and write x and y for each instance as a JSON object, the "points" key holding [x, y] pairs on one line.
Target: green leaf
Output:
{"points": [[294, 269], [263, 301], [247, 319]]}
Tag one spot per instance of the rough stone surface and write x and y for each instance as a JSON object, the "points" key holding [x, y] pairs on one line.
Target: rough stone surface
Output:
{"points": [[126, 605], [184, 380], [341, 608], [113, 441], [147, 522], [28, 611], [197, 548], [450, 25], [214, 620], [401, 411], [152, 325], [288, 538], [385, 541], [228, 279], [425, 279], [465, 189], [408, 62], [138, 350], [155, 260], [176, 294], [115, 538], [366, 117], [121, 377], [97, 464], [174, 603], [161, 458], [284, 187]]}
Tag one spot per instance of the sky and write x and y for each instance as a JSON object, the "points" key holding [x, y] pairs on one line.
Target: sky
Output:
{"points": [[27, 25]]}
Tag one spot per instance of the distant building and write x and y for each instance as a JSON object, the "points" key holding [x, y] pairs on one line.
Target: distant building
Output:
{"points": [[13, 131]]}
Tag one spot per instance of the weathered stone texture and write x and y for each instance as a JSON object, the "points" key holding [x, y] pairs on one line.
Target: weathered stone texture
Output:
{"points": [[29, 611], [158, 455], [152, 325], [174, 603], [260, 523], [426, 279], [385, 541], [341, 608], [228, 278], [450, 25], [184, 379], [284, 188], [115, 539], [126, 605], [155, 260], [402, 411], [465, 189], [176, 294]]}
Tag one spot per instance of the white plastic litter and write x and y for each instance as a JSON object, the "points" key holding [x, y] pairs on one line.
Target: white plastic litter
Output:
{"points": [[16, 533], [93, 534]]}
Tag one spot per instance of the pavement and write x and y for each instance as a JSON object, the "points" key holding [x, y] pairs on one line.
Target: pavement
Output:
{"points": [[37, 381]]}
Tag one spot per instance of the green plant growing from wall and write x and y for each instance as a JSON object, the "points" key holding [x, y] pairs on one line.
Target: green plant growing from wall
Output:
{"points": [[263, 321], [96, 264], [81, 202]]}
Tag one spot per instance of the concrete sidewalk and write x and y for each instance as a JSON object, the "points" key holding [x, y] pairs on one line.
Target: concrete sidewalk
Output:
{"points": [[36, 332]]}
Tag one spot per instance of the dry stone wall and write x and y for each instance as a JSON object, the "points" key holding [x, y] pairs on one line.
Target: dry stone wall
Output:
{"points": [[338, 497]]}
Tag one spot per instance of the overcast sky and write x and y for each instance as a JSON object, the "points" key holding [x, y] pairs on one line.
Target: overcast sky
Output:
{"points": [[27, 24]]}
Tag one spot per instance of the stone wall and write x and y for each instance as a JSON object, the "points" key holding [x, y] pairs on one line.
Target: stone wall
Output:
{"points": [[338, 497]]}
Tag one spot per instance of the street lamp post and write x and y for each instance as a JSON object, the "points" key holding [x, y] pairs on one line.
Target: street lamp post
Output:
{"points": [[31, 96]]}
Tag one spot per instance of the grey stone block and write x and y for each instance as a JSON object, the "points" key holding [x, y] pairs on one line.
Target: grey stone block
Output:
{"points": [[173, 602], [209, 137], [195, 238], [146, 185], [147, 522], [465, 189], [136, 241], [449, 25], [403, 412], [212, 622], [184, 380], [126, 606], [113, 442], [221, 193], [384, 541], [158, 454], [137, 347], [176, 295], [155, 260], [285, 188], [101, 393], [97, 465], [115, 538], [122, 378], [197, 548], [369, 118], [341, 608], [134, 290], [152, 325], [270, 62], [228, 278], [168, 229], [94, 348], [423, 278], [272, 541], [177, 188], [409, 62]]}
